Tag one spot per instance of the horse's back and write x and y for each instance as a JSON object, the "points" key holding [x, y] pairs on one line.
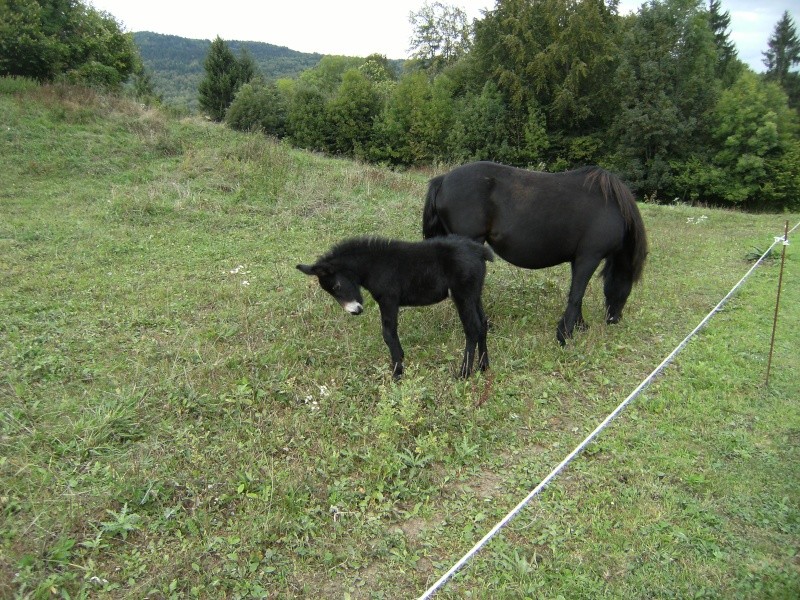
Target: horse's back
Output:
{"points": [[532, 219]]}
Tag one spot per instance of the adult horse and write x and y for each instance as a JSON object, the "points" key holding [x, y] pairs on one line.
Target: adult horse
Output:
{"points": [[536, 220]]}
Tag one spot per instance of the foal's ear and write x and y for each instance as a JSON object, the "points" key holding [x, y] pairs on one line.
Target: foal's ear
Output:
{"points": [[307, 269]]}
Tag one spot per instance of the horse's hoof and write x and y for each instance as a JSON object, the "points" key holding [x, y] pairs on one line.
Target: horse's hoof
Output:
{"points": [[397, 371], [613, 320]]}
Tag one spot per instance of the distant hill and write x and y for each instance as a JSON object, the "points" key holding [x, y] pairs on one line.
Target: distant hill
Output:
{"points": [[176, 63]]}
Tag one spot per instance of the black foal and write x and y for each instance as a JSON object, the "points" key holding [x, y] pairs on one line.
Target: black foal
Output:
{"points": [[400, 273]]}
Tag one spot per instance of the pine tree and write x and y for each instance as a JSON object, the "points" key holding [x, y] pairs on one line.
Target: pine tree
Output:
{"points": [[728, 67], [225, 74], [246, 67], [784, 49], [782, 55]]}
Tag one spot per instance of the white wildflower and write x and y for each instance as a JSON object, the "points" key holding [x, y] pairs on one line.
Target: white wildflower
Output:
{"points": [[312, 404], [239, 270]]}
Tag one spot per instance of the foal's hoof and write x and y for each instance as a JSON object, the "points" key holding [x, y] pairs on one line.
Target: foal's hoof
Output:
{"points": [[397, 371], [613, 320]]}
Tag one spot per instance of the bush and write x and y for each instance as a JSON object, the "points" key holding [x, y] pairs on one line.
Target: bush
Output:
{"points": [[258, 107], [95, 75]]}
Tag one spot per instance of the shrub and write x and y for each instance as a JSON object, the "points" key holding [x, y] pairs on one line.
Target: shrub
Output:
{"points": [[258, 107]]}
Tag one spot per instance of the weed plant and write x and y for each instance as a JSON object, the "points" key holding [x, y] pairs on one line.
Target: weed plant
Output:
{"points": [[182, 414]]}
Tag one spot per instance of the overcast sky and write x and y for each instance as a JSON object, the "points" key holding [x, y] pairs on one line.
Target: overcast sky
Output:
{"points": [[364, 27]]}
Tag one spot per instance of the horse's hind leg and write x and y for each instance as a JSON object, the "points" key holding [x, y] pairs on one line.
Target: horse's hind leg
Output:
{"points": [[582, 271], [618, 281]]}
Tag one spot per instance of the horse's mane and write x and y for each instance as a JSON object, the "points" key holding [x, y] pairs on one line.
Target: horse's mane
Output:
{"points": [[612, 186]]}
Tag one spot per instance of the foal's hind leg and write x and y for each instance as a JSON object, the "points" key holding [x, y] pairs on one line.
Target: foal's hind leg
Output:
{"points": [[582, 271]]}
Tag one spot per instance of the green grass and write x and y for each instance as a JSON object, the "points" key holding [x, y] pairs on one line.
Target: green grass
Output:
{"points": [[183, 414]]}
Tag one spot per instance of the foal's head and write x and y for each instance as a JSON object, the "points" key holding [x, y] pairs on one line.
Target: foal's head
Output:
{"points": [[338, 284]]}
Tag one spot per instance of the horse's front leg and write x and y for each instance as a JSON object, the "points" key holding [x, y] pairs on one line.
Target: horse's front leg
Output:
{"points": [[582, 271], [389, 312]]}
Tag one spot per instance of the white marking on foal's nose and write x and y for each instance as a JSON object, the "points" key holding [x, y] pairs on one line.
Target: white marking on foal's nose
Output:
{"points": [[353, 307]]}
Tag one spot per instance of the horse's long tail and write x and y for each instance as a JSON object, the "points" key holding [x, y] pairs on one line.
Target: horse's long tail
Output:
{"points": [[432, 225]]}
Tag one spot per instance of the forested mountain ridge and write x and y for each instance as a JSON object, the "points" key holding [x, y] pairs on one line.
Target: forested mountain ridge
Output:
{"points": [[176, 63]]}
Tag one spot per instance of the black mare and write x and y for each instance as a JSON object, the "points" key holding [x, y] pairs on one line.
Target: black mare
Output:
{"points": [[399, 274], [536, 220]]}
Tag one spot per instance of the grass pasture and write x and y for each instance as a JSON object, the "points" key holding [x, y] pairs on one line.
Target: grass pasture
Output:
{"points": [[183, 414]]}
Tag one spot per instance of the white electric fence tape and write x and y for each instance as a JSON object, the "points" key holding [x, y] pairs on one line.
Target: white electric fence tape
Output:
{"points": [[560, 467]]}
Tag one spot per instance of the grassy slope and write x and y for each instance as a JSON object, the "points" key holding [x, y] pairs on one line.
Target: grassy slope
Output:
{"points": [[166, 430]]}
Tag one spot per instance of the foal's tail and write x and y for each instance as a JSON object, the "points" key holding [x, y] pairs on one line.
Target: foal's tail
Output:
{"points": [[432, 225], [634, 252]]}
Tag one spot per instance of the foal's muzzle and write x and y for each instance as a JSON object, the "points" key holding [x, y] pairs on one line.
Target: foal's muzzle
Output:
{"points": [[353, 307]]}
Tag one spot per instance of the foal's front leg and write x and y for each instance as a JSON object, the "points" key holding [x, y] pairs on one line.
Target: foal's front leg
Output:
{"points": [[474, 321], [389, 312], [483, 352]]}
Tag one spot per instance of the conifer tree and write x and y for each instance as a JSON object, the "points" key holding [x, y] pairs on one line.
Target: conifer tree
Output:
{"points": [[784, 49], [225, 74], [728, 66], [784, 54]]}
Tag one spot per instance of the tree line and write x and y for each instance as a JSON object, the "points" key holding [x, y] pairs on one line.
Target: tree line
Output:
{"points": [[659, 96]]}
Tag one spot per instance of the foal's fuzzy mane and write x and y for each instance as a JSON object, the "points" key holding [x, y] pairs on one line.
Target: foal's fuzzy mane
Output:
{"points": [[358, 245]]}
